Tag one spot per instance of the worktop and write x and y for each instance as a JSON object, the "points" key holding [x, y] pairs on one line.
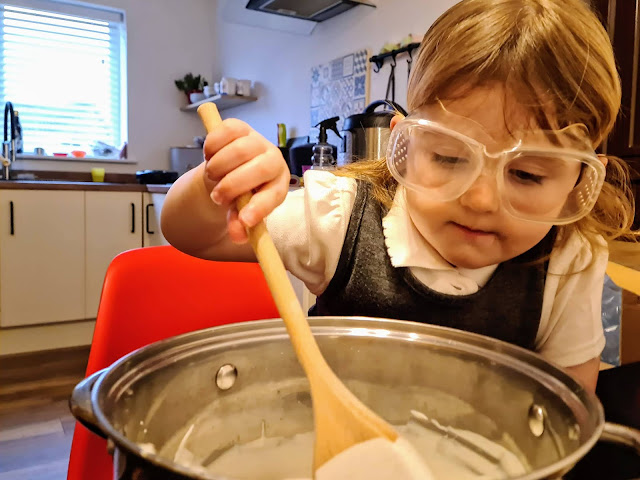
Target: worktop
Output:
{"points": [[55, 180], [87, 186]]}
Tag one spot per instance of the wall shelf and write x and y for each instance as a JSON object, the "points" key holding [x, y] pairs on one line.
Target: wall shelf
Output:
{"points": [[222, 102]]}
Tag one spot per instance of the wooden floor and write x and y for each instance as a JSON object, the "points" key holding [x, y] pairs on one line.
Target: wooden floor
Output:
{"points": [[36, 426]]}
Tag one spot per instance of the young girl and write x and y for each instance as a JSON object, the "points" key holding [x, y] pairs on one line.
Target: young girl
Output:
{"points": [[491, 213]]}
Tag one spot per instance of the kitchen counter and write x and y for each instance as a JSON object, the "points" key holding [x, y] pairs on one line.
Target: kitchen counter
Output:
{"points": [[158, 188], [66, 185], [74, 185], [61, 180]]}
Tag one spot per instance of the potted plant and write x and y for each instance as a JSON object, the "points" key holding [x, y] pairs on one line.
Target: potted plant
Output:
{"points": [[192, 86]]}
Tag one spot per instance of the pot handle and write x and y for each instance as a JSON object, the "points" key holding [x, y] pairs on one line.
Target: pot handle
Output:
{"points": [[80, 403], [621, 435], [388, 103]]}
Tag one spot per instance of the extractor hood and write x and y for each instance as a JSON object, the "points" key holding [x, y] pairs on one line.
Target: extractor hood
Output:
{"points": [[313, 10]]}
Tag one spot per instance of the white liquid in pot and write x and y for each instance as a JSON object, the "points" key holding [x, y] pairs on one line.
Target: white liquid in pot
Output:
{"points": [[376, 459], [218, 440], [448, 453]]}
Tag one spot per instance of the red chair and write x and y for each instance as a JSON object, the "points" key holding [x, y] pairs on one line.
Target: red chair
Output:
{"points": [[154, 293]]}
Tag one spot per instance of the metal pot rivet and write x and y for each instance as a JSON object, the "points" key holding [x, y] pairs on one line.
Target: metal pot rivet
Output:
{"points": [[226, 376], [537, 418]]}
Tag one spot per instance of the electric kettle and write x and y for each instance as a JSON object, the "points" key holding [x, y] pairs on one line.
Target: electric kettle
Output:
{"points": [[366, 134]]}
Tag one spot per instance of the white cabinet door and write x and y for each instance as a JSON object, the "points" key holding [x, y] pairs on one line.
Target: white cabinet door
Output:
{"points": [[113, 221], [41, 256], [151, 219]]}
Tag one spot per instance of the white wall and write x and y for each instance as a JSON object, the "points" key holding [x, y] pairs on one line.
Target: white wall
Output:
{"points": [[166, 39], [280, 62]]}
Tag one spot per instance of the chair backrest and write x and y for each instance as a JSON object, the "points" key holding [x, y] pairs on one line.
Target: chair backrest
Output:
{"points": [[157, 292]]}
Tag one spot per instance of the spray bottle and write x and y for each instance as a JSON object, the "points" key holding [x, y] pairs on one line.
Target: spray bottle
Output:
{"points": [[322, 158]]}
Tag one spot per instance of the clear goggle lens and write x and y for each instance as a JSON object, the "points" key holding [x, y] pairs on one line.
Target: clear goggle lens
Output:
{"points": [[552, 183]]}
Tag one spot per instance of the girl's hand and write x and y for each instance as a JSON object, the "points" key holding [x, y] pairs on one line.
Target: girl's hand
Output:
{"points": [[240, 160]]}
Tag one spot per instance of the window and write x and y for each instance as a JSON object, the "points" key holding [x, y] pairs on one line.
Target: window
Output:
{"points": [[63, 66]]}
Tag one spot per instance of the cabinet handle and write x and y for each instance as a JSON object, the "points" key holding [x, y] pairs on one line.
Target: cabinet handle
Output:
{"points": [[13, 230], [133, 217], [147, 219]]}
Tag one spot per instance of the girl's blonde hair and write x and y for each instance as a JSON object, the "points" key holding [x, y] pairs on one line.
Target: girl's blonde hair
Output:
{"points": [[554, 57]]}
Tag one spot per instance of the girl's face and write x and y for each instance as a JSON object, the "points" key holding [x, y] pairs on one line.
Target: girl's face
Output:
{"points": [[474, 230]]}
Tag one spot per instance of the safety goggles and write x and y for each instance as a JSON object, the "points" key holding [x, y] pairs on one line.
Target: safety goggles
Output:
{"points": [[543, 176]]}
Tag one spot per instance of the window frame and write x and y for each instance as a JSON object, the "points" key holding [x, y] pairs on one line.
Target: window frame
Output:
{"points": [[95, 12]]}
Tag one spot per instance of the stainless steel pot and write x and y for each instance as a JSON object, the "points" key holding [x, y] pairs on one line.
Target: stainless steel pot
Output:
{"points": [[246, 377], [366, 135]]}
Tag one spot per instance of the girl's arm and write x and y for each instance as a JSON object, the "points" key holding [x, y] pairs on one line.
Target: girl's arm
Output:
{"points": [[571, 333], [586, 373], [199, 215]]}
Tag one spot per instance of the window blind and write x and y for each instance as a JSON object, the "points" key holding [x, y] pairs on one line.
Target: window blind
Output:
{"points": [[65, 73]]}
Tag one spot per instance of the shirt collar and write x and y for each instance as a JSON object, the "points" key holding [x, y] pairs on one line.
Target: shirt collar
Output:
{"points": [[408, 248]]}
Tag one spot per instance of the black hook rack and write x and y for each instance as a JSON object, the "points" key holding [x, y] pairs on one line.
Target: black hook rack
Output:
{"points": [[378, 60], [409, 64]]}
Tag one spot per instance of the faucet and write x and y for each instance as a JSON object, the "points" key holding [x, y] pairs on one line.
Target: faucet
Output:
{"points": [[9, 143]]}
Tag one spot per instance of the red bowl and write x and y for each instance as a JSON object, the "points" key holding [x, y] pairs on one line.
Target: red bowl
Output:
{"points": [[59, 154], [78, 153]]}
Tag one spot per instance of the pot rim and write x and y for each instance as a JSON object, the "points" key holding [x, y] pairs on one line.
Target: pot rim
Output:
{"points": [[518, 358]]}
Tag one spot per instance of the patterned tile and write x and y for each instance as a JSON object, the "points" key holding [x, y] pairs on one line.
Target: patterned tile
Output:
{"points": [[339, 87], [359, 86]]}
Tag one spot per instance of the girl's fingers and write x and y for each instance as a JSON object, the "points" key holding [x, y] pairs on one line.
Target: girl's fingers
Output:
{"points": [[258, 171], [239, 160], [225, 133], [235, 154], [263, 202]]}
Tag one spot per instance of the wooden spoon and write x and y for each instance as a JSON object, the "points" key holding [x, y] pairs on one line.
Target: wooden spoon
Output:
{"points": [[341, 420]]}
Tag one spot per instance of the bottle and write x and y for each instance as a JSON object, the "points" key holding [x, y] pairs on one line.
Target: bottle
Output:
{"points": [[282, 135], [19, 141], [322, 153]]}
